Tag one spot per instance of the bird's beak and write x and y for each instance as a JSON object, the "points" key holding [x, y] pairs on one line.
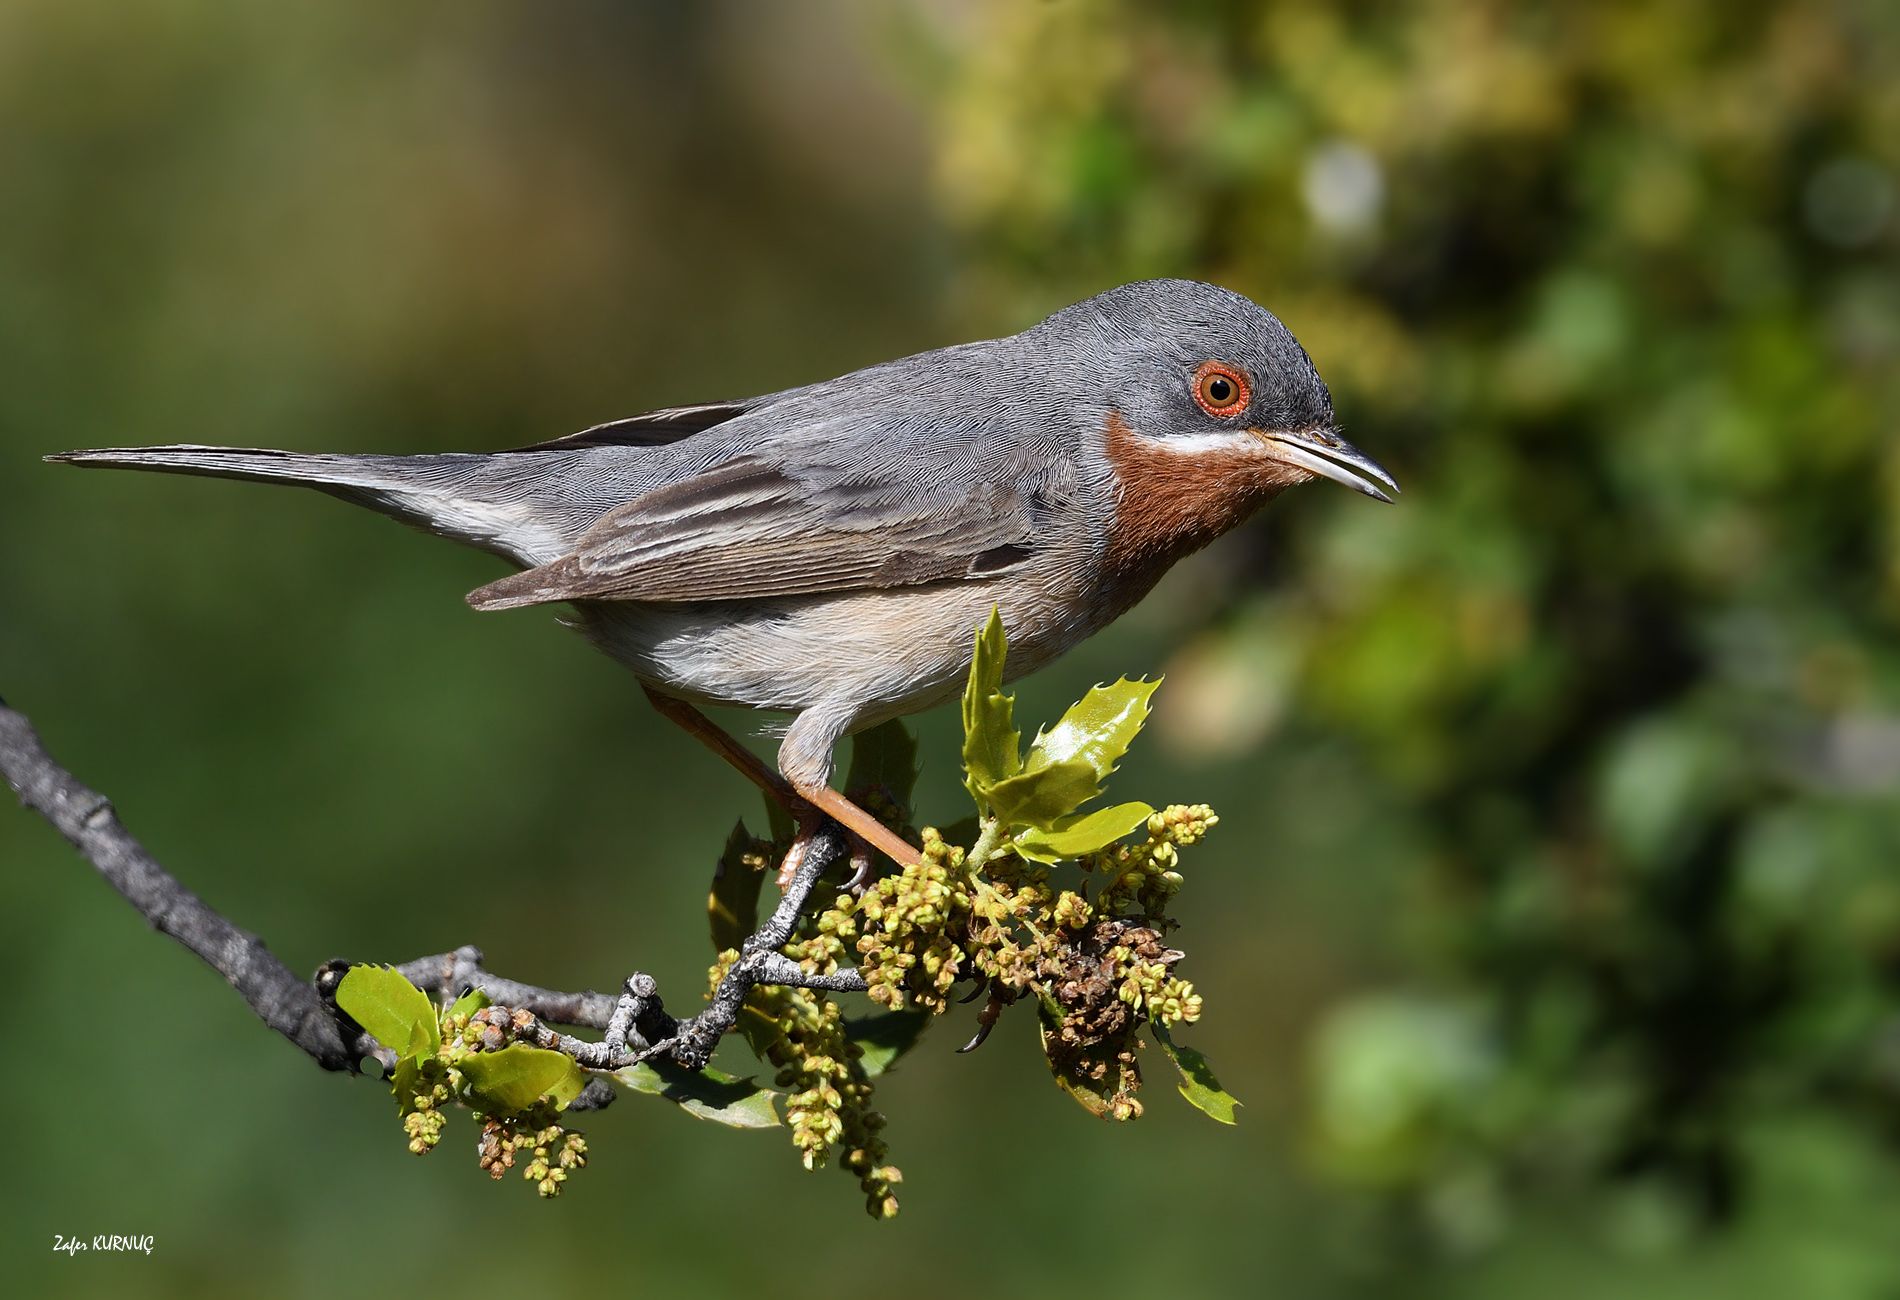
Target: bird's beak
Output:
{"points": [[1325, 453]]}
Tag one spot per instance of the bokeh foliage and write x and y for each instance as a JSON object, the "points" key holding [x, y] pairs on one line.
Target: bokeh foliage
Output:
{"points": [[1613, 288]]}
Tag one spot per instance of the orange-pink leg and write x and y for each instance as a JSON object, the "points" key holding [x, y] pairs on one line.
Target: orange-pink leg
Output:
{"points": [[805, 805]]}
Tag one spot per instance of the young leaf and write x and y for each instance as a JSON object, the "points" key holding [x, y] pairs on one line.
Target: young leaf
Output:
{"points": [[1074, 837], [885, 755], [1097, 730], [707, 1094], [469, 1003], [1042, 797], [402, 1084], [395, 1012], [511, 1080], [885, 1037], [991, 745], [732, 909], [1087, 1097], [1198, 1083]]}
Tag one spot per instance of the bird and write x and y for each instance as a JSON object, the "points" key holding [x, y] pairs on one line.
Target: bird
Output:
{"points": [[826, 551]]}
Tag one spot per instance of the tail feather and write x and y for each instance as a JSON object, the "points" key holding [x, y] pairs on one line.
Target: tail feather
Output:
{"points": [[482, 501]]}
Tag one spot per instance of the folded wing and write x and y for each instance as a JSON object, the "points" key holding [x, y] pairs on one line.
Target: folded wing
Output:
{"points": [[749, 528]]}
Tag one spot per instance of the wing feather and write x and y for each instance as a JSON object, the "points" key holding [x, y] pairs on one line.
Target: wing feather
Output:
{"points": [[652, 429], [747, 529]]}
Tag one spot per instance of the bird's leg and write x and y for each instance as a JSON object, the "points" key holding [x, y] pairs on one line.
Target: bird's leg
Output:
{"points": [[862, 824], [807, 804]]}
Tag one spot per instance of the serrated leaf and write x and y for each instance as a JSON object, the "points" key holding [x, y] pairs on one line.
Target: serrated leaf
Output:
{"points": [[1043, 797], [1198, 1083], [1096, 730], [469, 1003], [511, 1080], [402, 1083], [885, 1037], [732, 908], [707, 1094], [394, 1012], [885, 755], [1080, 835], [992, 747]]}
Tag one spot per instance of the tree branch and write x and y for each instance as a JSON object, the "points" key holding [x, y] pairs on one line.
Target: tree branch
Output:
{"points": [[637, 1025]]}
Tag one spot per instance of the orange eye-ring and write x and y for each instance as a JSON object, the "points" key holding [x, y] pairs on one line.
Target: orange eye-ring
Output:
{"points": [[1220, 389]]}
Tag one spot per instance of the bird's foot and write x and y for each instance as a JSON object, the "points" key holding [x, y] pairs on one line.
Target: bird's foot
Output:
{"points": [[863, 856]]}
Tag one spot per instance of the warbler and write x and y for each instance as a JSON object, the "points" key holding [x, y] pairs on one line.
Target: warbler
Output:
{"points": [[826, 551]]}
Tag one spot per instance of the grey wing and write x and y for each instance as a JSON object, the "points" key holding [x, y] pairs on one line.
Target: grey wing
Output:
{"points": [[749, 528]]}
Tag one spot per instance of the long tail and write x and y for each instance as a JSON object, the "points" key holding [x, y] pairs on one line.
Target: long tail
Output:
{"points": [[487, 501]]}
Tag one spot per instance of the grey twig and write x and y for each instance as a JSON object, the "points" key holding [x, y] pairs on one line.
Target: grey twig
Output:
{"points": [[760, 962], [450, 974], [637, 1025]]}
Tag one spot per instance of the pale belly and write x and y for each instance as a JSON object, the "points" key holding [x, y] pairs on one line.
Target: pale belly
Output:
{"points": [[866, 656]]}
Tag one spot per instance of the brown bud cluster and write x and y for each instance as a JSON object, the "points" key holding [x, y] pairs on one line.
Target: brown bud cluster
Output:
{"points": [[554, 1152], [490, 1029], [1097, 987]]}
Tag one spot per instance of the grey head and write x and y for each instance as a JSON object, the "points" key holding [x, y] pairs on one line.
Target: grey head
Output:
{"points": [[1183, 360]]}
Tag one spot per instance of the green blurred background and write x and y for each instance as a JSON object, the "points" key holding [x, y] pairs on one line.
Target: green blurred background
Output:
{"points": [[1552, 929]]}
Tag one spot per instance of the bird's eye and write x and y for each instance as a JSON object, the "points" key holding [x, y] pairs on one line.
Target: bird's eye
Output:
{"points": [[1220, 389]]}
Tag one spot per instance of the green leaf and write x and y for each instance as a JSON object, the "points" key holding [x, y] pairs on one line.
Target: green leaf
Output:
{"points": [[469, 1003], [1198, 1085], [1043, 797], [402, 1083], [1078, 836], [511, 1080], [885, 755], [732, 909], [992, 748], [708, 1094], [1085, 1095], [1097, 730], [885, 1037], [395, 1012]]}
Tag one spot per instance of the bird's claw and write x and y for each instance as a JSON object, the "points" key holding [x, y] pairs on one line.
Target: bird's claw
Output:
{"points": [[985, 1021]]}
